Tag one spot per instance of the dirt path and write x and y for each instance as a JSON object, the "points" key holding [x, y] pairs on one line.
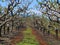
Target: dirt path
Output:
{"points": [[29, 38], [39, 37], [17, 38], [50, 40]]}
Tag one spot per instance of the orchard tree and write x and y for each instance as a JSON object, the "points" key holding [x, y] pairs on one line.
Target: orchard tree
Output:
{"points": [[51, 8], [14, 7]]}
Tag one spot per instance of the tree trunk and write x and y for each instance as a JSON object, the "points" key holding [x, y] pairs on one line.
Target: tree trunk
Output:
{"points": [[12, 24], [0, 31], [4, 29], [48, 32], [56, 34], [8, 30]]}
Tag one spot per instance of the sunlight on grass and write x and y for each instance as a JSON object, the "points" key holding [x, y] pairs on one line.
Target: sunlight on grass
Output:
{"points": [[29, 39]]}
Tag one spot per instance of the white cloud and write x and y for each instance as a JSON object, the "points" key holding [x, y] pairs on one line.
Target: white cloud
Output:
{"points": [[35, 11]]}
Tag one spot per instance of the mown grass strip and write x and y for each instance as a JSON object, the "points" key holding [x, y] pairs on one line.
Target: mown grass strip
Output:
{"points": [[29, 38]]}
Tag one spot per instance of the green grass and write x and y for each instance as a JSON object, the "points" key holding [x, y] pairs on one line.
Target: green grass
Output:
{"points": [[29, 39]]}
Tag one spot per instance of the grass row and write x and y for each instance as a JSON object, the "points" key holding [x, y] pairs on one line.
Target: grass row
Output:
{"points": [[29, 38]]}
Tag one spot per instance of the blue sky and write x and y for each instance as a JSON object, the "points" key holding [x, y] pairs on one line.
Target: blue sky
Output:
{"points": [[4, 4], [32, 5]]}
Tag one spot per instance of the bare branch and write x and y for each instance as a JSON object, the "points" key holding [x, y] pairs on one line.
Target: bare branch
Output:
{"points": [[6, 21]]}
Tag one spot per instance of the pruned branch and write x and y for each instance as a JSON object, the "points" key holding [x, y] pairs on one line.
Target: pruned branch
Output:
{"points": [[6, 21]]}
